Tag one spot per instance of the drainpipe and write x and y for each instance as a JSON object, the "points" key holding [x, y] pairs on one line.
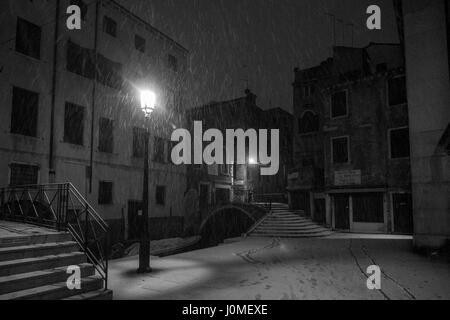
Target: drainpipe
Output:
{"points": [[51, 162], [447, 23], [94, 89]]}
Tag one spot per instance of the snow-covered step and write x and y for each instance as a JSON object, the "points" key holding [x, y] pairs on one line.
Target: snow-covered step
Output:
{"points": [[23, 281], [55, 291], [285, 223]]}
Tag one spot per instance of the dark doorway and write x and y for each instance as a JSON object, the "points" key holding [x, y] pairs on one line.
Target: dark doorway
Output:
{"points": [[368, 208], [300, 201], [403, 216], [134, 219], [319, 211], [341, 212]]}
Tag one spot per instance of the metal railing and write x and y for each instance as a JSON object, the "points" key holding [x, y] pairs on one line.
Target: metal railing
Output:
{"points": [[63, 208]]}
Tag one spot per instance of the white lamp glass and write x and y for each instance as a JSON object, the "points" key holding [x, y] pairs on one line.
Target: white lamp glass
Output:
{"points": [[148, 102]]}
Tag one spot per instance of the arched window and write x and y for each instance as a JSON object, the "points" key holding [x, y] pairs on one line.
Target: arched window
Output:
{"points": [[309, 122]]}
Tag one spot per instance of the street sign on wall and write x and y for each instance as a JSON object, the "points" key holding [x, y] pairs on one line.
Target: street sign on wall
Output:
{"points": [[347, 177]]}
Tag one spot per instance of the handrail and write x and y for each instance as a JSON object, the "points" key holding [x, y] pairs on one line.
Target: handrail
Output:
{"points": [[62, 207]]}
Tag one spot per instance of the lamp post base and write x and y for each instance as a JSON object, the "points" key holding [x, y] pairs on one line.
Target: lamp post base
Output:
{"points": [[144, 270]]}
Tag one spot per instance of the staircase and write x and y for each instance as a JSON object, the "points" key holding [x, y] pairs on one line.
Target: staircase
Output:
{"points": [[286, 223], [34, 267]]}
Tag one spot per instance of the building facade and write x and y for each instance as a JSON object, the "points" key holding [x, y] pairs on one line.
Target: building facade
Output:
{"points": [[71, 108], [221, 184], [425, 28], [351, 142]]}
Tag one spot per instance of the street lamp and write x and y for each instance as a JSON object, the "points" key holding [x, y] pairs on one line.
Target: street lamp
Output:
{"points": [[148, 105]]}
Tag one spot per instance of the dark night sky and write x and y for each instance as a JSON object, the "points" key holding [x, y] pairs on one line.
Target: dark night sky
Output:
{"points": [[271, 37]]}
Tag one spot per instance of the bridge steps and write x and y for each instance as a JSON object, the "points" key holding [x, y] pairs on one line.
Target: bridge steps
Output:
{"points": [[286, 223]]}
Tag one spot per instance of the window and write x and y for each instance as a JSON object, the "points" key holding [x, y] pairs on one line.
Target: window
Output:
{"points": [[307, 91], [28, 38], [339, 104], [83, 7], [109, 72], [340, 150], [74, 124], [24, 113], [139, 43], [172, 63], [80, 60], [105, 192], [399, 143], [106, 135], [110, 26], [23, 175], [158, 155], [397, 91], [139, 135], [160, 195], [309, 123]]}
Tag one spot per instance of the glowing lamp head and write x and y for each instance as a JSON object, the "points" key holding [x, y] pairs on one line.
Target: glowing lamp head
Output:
{"points": [[252, 161], [148, 102]]}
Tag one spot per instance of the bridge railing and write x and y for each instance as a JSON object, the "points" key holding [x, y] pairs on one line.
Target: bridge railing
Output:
{"points": [[63, 208]]}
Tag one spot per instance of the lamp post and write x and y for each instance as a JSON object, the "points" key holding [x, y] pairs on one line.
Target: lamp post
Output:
{"points": [[148, 104]]}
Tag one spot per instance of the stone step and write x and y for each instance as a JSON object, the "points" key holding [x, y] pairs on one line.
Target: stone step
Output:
{"points": [[39, 278], [310, 230], [302, 233], [55, 291], [287, 212], [41, 263], [291, 235], [35, 239], [291, 218], [310, 227], [93, 295], [37, 250], [289, 223]]}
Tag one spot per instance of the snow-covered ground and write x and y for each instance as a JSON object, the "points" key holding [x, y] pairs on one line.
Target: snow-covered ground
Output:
{"points": [[262, 268], [163, 247]]}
